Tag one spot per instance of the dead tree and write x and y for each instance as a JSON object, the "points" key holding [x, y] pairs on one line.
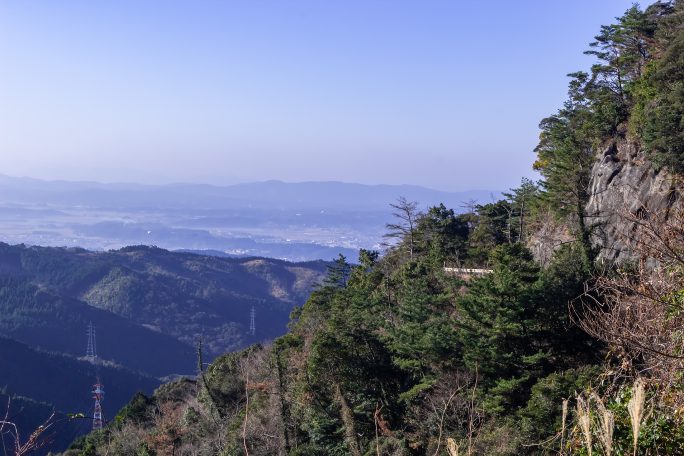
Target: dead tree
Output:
{"points": [[38, 438], [404, 230]]}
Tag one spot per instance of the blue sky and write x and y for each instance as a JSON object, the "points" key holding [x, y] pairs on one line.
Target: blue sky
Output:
{"points": [[445, 94]]}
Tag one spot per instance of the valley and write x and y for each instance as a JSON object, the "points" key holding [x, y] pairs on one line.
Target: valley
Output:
{"points": [[150, 308], [291, 221]]}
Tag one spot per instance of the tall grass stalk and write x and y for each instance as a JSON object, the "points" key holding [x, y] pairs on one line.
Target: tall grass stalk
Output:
{"points": [[564, 422], [636, 409], [607, 425], [584, 421], [452, 447]]}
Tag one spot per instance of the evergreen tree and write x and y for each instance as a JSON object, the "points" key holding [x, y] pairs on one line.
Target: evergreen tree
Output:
{"points": [[663, 111], [514, 323], [442, 235], [421, 335]]}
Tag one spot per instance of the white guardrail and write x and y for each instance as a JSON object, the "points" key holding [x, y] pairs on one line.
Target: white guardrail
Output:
{"points": [[466, 271]]}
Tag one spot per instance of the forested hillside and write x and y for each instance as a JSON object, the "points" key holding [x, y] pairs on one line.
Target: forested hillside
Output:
{"points": [[393, 352], [60, 384], [148, 304], [562, 346], [39, 375], [149, 307]]}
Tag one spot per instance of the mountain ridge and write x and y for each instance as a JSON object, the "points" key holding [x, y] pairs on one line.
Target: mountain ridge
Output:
{"points": [[287, 193], [161, 301]]}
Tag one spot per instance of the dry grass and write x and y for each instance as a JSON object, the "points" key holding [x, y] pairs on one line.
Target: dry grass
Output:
{"points": [[584, 421], [636, 409], [606, 425], [564, 422], [452, 447]]}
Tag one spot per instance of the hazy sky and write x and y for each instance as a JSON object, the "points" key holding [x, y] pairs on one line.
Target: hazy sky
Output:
{"points": [[446, 94]]}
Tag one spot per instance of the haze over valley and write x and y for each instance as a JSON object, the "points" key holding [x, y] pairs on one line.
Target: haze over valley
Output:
{"points": [[292, 221]]}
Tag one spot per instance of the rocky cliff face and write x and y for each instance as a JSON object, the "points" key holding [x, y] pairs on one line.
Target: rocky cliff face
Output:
{"points": [[625, 184], [549, 234]]}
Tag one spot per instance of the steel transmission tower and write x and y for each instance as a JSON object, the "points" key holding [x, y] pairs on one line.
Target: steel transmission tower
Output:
{"points": [[98, 395], [98, 387], [252, 321], [91, 350]]}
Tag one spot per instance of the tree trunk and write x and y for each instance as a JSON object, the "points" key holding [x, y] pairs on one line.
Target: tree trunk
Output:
{"points": [[347, 416], [284, 409]]}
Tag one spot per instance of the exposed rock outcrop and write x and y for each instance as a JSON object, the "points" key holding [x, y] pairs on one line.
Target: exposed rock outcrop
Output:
{"points": [[625, 184], [549, 234]]}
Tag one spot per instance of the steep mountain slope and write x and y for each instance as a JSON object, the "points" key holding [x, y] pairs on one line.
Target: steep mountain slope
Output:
{"points": [[59, 383], [63, 381], [149, 307], [390, 357], [54, 322]]}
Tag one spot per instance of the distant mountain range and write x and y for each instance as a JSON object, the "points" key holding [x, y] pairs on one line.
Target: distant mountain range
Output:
{"points": [[293, 221], [266, 195]]}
